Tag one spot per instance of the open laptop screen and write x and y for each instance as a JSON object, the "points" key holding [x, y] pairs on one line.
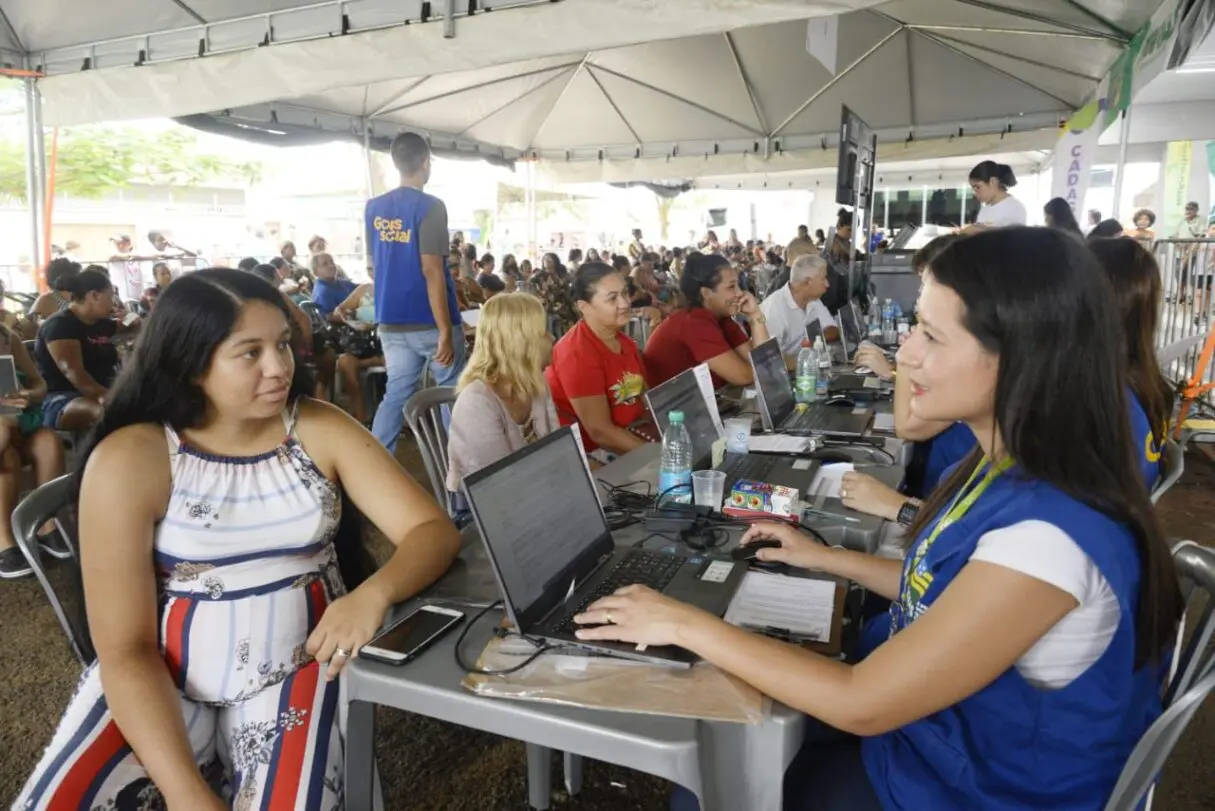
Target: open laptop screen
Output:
{"points": [[772, 378], [540, 518], [682, 393]]}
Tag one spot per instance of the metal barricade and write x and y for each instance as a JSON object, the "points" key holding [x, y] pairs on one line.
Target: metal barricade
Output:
{"points": [[1187, 306]]}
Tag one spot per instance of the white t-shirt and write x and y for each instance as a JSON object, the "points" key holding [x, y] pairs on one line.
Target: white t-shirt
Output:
{"points": [[787, 322], [1045, 552], [1009, 211]]}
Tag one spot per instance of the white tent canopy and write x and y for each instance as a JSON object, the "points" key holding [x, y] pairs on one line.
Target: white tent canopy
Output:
{"points": [[598, 89]]}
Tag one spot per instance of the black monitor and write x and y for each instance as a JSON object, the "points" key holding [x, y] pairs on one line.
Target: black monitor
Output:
{"points": [[858, 154]]}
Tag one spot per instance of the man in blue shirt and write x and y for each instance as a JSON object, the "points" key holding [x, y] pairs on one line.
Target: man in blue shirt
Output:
{"points": [[415, 296], [328, 291]]}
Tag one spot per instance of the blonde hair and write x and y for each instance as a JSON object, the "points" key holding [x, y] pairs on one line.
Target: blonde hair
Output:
{"points": [[512, 346]]}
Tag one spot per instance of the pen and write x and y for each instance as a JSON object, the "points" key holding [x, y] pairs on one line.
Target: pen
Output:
{"points": [[833, 516], [783, 634]]}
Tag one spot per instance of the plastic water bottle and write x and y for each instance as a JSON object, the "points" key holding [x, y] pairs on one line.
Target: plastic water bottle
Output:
{"points": [[823, 381], [889, 335], [675, 474], [805, 382]]}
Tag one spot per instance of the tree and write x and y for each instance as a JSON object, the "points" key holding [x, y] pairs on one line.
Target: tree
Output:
{"points": [[94, 161], [664, 215]]}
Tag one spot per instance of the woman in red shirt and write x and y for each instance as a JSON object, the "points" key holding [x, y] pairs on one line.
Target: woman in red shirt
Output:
{"points": [[705, 331], [597, 378]]}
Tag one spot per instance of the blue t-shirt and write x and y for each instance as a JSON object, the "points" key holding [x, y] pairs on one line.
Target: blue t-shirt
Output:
{"points": [[1147, 447], [328, 296]]}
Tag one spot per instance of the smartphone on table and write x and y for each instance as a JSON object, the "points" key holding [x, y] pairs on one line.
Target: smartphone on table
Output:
{"points": [[412, 634]]}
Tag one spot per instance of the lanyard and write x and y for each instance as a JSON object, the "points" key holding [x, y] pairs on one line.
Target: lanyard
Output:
{"points": [[961, 504]]}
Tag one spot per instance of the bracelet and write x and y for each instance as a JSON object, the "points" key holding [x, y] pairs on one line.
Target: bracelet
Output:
{"points": [[758, 318]]}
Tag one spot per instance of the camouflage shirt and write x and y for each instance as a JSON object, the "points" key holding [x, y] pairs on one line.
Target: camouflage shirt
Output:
{"points": [[558, 300]]}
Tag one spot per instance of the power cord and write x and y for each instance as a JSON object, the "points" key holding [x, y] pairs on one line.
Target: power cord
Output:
{"points": [[541, 647]]}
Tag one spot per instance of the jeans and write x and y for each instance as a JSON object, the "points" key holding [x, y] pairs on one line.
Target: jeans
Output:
{"points": [[405, 356]]}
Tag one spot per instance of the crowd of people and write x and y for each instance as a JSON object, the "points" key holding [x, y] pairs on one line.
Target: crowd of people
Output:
{"points": [[1033, 612]]}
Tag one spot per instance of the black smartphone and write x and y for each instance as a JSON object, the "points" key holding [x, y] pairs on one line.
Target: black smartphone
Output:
{"points": [[412, 634]]}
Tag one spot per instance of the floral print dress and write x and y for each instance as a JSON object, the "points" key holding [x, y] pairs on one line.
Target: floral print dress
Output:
{"points": [[246, 566]]}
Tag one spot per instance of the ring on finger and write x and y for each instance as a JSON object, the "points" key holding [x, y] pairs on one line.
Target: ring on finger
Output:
{"points": [[608, 617], [345, 654], [843, 493]]}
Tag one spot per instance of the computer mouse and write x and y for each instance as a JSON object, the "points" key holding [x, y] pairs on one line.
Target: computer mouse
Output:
{"points": [[749, 551], [863, 370], [841, 400]]}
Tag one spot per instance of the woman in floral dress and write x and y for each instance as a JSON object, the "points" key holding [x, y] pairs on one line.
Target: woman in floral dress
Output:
{"points": [[224, 584]]}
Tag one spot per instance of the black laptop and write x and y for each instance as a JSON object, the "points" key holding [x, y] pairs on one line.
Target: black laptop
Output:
{"points": [[780, 412], [553, 555], [684, 394]]}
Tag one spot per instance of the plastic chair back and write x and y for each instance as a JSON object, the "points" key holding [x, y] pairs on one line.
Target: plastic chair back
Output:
{"points": [[1172, 466], [1192, 682], [314, 315], [426, 414], [53, 500]]}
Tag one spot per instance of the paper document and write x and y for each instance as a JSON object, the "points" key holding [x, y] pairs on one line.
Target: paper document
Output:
{"points": [[705, 381], [780, 443], [883, 422], [798, 607], [829, 477]]}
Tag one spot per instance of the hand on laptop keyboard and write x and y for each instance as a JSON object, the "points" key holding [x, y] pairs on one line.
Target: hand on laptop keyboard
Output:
{"points": [[641, 616]]}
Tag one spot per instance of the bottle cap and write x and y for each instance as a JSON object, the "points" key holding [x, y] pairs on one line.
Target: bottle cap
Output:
{"points": [[675, 417]]}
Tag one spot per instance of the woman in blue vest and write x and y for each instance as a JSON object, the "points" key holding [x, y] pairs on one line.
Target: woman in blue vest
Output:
{"points": [[1037, 599], [1136, 278]]}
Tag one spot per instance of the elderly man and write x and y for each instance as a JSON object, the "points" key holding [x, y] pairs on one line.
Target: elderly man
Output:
{"points": [[796, 304]]}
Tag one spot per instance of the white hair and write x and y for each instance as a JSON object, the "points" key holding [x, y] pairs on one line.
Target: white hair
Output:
{"points": [[804, 267]]}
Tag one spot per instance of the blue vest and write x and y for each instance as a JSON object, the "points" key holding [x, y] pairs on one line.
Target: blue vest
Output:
{"points": [[1012, 745], [1147, 451], [393, 222]]}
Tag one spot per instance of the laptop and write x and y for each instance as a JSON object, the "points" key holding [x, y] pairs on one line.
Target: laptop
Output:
{"points": [[780, 412], [552, 553], [683, 392]]}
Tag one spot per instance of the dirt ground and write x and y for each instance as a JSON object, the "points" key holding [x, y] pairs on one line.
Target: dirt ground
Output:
{"points": [[427, 765]]}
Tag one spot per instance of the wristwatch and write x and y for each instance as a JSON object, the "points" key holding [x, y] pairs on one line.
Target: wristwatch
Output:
{"points": [[907, 513]]}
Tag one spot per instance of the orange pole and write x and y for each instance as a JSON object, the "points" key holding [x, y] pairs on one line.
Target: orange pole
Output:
{"points": [[49, 210], [17, 73]]}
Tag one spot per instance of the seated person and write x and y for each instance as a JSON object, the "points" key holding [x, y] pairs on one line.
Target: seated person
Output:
{"points": [[360, 348], [1037, 602], [469, 295], [705, 331], [21, 325], [791, 308], [58, 273], [491, 285], [236, 530], [597, 377], [24, 441], [503, 403], [328, 291], [163, 276], [75, 353]]}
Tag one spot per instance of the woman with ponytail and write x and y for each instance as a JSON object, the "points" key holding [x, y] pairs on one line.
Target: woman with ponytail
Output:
{"points": [[223, 572], [990, 182], [704, 331]]}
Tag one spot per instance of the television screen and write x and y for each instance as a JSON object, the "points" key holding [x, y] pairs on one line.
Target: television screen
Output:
{"points": [[854, 174]]}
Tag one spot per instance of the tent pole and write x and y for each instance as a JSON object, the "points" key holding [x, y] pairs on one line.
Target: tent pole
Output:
{"points": [[369, 166], [1123, 137], [49, 211], [33, 190], [530, 197]]}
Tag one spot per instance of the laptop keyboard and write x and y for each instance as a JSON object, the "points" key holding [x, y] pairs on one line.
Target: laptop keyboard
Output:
{"points": [[638, 567], [747, 467], [814, 419]]}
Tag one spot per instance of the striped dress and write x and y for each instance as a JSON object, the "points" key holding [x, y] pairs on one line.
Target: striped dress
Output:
{"points": [[246, 566]]}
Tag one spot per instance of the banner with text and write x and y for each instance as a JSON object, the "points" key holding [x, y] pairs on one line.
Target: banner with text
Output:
{"points": [[1075, 154], [1178, 156]]}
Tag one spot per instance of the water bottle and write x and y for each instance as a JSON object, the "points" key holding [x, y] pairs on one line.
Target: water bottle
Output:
{"points": [[805, 382], [675, 474], [889, 336], [875, 323], [823, 381]]}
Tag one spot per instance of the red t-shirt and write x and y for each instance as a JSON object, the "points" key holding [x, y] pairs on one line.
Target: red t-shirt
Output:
{"points": [[583, 366], [688, 338]]}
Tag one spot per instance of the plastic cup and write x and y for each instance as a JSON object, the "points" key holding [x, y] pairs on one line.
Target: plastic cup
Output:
{"points": [[708, 488], [738, 434]]}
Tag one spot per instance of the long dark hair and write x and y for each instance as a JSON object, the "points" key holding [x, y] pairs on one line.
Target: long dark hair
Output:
{"points": [[158, 383], [701, 270], [1061, 215], [987, 170], [1040, 300], [587, 278], [1136, 279]]}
